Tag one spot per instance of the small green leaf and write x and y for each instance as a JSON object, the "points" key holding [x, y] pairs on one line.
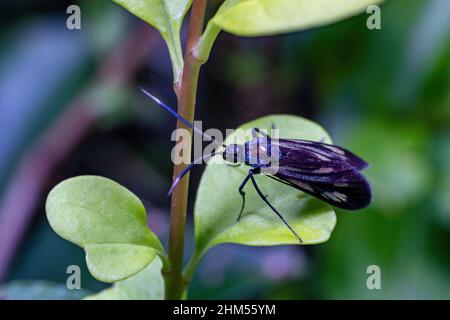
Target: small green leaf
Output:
{"points": [[218, 201], [147, 284], [108, 221], [102, 259], [166, 16], [266, 17]]}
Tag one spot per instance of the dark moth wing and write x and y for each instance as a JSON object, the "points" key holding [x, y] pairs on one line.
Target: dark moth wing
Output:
{"points": [[325, 171], [347, 190], [311, 150]]}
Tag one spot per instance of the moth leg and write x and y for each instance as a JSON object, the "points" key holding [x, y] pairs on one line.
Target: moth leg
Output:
{"points": [[256, 131], [242, 193], [241, 189], [272, 128], [264, 198]]}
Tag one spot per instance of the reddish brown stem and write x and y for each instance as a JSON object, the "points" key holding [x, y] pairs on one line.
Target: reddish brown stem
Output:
{"points": [[186, 94]]}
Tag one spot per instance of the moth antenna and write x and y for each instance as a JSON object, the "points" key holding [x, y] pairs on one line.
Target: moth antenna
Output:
{"points": [[176, 115], [187, 169]]}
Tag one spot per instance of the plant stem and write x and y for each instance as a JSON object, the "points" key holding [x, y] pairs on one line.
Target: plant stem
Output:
{"points": [[186, 94], [203, 47]]}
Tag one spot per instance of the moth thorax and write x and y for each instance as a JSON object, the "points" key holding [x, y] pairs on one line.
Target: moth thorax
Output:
{"points": [[262, 152], [234, 153]]}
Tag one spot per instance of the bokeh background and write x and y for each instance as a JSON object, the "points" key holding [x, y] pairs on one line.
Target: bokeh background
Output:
{"points": [[69, 105]]}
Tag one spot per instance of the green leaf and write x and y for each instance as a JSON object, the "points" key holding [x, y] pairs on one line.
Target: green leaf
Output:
{"points": [[147, 284], [166, 16], [106, 261], [218, 201], [108, 221], [266, 17]]}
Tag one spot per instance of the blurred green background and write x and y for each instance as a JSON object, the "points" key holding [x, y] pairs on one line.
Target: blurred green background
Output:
{"points": [[69, 105]]}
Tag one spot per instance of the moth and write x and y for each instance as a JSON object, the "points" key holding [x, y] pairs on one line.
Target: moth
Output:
{"points": [[325, 171]]}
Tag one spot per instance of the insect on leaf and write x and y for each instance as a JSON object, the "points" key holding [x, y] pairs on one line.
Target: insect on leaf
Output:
{"points": [[218, 201]]}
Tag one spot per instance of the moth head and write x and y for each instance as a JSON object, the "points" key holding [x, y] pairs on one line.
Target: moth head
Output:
{"points": [[234, 153]]}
